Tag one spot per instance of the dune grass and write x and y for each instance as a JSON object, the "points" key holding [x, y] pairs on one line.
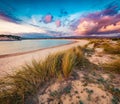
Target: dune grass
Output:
{"points": [[112, 49], [96, 42], [28, 80], [68, 62], [24, 85], [108, 47], [113, 67]]}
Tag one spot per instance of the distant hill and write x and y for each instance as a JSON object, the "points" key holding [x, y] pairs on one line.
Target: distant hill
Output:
{"points": [[9, 38]]}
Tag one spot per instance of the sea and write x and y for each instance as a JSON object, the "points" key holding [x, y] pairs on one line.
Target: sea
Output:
{"points": [[11, 47]]}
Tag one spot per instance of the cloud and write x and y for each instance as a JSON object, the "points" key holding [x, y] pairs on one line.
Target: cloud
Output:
{"points": [[8, 12], [9, 27], [47, 18], [10, 18], [86, 27], [113, 28], [105, 21], [58, 23], [111, 9]]}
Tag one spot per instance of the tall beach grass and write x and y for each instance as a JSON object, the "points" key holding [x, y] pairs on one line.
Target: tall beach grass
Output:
{"points": [[23, 86], [113, 67]]}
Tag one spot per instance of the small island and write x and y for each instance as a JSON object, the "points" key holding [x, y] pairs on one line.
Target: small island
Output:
{"points": [[9, 38]]}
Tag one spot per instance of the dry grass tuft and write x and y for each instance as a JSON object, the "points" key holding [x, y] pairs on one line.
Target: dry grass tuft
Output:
{"points": [[68, 63], [113, 67]]}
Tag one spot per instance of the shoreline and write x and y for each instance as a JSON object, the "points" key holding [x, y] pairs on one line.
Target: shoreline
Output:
{"points": [[13, 63], [28, 52]]}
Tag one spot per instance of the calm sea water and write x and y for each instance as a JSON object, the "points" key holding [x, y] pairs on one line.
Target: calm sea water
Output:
{"points": [[9, 47]]}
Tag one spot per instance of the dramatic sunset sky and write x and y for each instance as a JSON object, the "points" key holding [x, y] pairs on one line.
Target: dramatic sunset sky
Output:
{"points": [[60, 17]]}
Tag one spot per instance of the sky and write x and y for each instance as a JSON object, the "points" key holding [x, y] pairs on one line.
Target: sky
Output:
{"points": [[60, 17]]}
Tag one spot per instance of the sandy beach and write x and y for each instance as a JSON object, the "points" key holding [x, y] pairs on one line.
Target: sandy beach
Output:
{"points": [[12, 62], [88, 83]]}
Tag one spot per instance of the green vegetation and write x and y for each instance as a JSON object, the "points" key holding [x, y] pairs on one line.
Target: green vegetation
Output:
{"points": [[115, 100], [116, 94], [63, 90], [80, 102]]}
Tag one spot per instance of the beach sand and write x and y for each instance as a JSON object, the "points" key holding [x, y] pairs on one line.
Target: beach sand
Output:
{"points": [[11, 63], [83, 86]]}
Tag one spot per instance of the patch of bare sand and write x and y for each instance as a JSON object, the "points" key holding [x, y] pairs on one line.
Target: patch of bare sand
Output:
{"points": [[100, 58], [75, 92]]}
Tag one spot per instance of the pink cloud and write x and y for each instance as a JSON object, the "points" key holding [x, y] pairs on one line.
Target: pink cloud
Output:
{"points": [[58, 23], [94, 25], [110, 28], [48, 18], [105, 21]]}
